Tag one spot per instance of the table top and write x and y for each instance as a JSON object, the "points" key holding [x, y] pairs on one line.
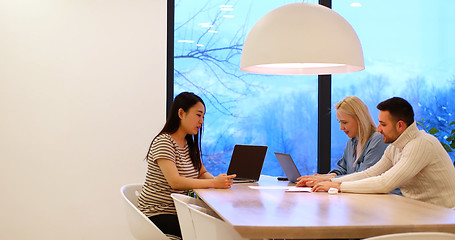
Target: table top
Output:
{"points": [[275, 213]]}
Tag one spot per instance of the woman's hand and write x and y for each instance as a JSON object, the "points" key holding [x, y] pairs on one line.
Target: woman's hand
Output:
{"points": [[206, 180], [223, 180], [311, 180]]}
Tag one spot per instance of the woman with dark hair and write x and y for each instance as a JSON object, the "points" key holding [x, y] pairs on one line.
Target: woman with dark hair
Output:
{"points": [[174, 163]]}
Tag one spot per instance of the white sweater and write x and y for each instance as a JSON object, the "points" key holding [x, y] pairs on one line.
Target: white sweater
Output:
{"points": [[417, 163]]}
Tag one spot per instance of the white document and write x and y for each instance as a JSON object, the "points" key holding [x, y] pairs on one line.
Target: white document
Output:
{"points": [[286, 188], [298, 189], [269, 187]]}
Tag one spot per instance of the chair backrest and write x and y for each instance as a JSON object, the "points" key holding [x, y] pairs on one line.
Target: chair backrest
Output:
{"points": [[183, 213], [209, 226], [415, 236], [140, 226]]}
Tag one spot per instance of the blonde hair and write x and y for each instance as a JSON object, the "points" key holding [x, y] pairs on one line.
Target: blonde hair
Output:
{"points": [[354, 107]]}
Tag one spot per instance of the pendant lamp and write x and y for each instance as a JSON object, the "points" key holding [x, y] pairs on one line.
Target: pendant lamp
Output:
{"points": [[302, 39]]}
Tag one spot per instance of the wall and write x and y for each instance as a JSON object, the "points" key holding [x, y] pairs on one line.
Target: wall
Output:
{"points": [[82, 92]]}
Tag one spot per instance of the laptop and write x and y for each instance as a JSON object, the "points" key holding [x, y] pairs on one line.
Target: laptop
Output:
{"points": [[246, 162], [288, 166]]}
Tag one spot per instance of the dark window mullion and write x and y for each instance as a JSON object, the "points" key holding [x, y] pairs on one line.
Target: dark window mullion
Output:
{"points": [[170, 55], [324, 131]]}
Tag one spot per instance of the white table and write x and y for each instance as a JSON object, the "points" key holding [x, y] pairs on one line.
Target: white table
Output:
{"points": [[274, 213]]}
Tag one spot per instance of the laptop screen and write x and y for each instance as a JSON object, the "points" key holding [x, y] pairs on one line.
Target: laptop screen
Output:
{"points": [[247, 161], [288, 166]]}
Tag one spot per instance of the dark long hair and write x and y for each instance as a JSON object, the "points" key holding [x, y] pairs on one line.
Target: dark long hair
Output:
{"points": [[185, 101]]}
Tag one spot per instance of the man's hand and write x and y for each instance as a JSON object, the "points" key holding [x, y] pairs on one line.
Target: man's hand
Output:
{"points": [[325, 186]]}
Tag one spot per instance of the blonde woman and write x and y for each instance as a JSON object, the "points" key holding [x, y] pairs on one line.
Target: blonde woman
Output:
{"points": [[364, 147]]}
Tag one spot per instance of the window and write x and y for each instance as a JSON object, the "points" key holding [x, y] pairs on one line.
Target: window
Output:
{"points": [[409, 52], [277, 111]]}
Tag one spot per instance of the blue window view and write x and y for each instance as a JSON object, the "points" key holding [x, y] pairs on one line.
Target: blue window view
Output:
{"points": [[407, 53]]}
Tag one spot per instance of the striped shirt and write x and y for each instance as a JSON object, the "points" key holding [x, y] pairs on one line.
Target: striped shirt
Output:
{"points": [[155, 197]]}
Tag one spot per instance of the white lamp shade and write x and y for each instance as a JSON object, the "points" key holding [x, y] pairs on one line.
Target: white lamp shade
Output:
{"points": [[300, 39]]}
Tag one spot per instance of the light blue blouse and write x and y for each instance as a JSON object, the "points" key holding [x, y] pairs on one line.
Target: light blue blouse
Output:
{"points": [[371, 154]]}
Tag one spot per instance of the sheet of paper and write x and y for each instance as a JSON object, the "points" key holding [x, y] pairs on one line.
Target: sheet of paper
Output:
{"points": [[299, 189], [269, 187]]}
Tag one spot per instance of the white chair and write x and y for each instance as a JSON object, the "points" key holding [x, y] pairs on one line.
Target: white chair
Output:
{"points": [[183, 213], [209, 226], [415, 236], [140, 226]]}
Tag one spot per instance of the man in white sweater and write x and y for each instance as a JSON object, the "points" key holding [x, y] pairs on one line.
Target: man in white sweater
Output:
{"points": [[415, 161]]}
